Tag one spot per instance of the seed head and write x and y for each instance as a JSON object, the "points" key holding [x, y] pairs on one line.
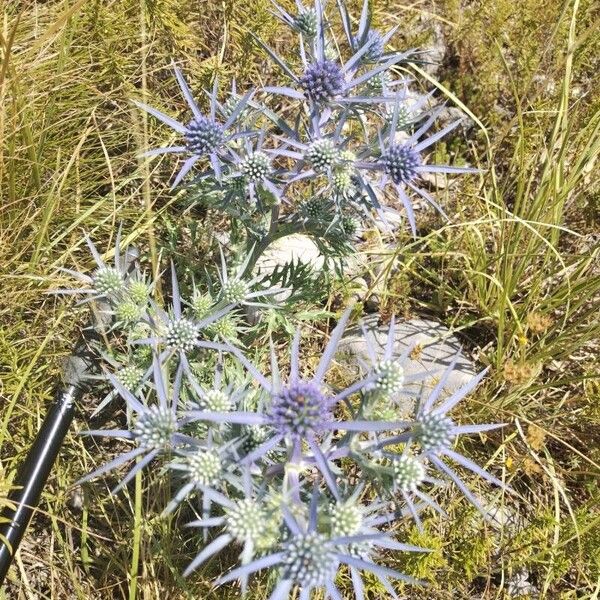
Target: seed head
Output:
{"points": [[128, 312], [389, 378], [225, 328], [216, 401], [138, 291], [201, 304], [247, 521], [346, 519], [322, 154], [341, 180], [255, 436], [433, 432], [234, 291], [317, 209], [155, 427], [204, 467], [306, 23], [409, 472], [349, 225], [203, 136], [405, 116], [323, 81], [400, 162], [256, 167], [108, 280], [130, 376], [377, 85], [309, 560], [182, 334]]}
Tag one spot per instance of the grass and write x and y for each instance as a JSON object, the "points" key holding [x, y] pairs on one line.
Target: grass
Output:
{"points": [[515, 272]]}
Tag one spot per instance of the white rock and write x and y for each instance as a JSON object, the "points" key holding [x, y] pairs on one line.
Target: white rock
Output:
{"points": [[519, 586], [296, 247]]}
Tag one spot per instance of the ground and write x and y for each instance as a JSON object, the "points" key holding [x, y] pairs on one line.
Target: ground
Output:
{"points": [[515, 272]]}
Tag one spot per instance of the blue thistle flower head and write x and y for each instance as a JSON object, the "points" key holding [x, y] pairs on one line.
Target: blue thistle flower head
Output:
{"points": [[305, 22], [323, 154], [434, 432], [256, 167], [309, 559], [401, 163], [203, 136], [299, 409], [409, 472], [323, 80], [177, 331], [181, 334], [155, 427], [109, 282]]}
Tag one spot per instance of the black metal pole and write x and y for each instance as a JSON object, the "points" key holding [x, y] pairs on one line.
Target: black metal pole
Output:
{"points": [[34, 471], [33, 475]]}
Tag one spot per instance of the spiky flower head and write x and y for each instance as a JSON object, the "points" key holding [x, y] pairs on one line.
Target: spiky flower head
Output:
{"points": [[201, 304], [226, 328], [309, 560], [434, 431], [409, 472], [346, 519], [130, 376], [255, 435], [108, 280], [155, 427], [374, 40], [138, 291], [256, 167], [306, 22], [204, 467], [349, 225], [341, 180], [234, 291], [322, 155], [299, 408], [249, 521], [378, 84], [316, 208], [389, 378], [216, 401], [404, 116], [400, 162], [323, 80], [182, 334], [203, 136], [128, 312]]}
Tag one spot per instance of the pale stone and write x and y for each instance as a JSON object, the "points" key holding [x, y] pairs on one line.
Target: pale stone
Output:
{"points": [[296, 247]]}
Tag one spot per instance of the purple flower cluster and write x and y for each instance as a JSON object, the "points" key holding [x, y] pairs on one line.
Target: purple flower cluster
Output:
{"points": [[349, 116]]}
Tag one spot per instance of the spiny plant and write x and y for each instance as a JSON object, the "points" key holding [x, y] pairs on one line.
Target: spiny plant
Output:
{"points": [[265, 459]]}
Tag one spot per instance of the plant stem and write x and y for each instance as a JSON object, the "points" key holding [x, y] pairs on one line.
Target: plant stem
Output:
{"points": [[137, 537], [277, 230]]}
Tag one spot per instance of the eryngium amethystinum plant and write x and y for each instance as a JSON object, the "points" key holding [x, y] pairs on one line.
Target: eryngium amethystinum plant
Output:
{"points": [[304, 477]]}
